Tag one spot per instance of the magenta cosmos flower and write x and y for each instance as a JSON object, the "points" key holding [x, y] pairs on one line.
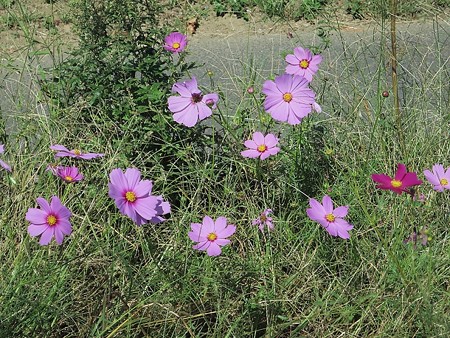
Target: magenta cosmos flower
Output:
{"points": [[261, 146], [175, 42], [401, 182], [4, 164], [288, 98], [211, 235], [331, 219], [439, 178], [52, 220], [264, 220], [77, 153], [303, 63], [133, 197], [191, 106], [68, 174]]}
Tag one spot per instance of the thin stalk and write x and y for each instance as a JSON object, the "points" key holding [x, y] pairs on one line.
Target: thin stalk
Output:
{"points": [[398, 116]]}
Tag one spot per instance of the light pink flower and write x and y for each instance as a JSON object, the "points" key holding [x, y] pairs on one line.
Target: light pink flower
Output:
{"points": [[439, 178], [264, 220], [175, 42], [331, 219], [191, 106], [76, 153], [210, 235], [5, 165], [289, 98], [303, 63], [52, 220], [261, 146], [133, 197]]}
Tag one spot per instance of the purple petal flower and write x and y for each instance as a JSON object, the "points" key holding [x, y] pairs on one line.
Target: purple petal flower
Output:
{"points": [[288, 98], [52, 220], [331, 219], [68, 174], [261, 146], [439, 178], [264, 220], [303, 63], [76, 153], [133, 197], [210, 235], [175, 42], [5, 165], [191, 106]]}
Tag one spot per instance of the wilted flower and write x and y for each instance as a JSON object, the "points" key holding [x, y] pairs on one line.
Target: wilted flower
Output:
{"points": [[264, 220], [52, 220], [175, 42], [288, 98], [192, 106], [401, 182], [439, 178], [76, 153], [210, 235], [69, 174], [133, 197], [421, 237], [303, 63], [331, 219], [5, 165], [261, 146]]}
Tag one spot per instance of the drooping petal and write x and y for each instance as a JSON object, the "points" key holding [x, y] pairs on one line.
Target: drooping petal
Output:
{"points": [[47, 236], [213, 250]]}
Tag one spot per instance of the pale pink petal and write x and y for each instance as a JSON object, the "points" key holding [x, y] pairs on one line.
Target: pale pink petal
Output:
{"points": [[340, 211], [270, 140], [226, 232], [251, 144], [47, 236], [213, 249], [133, 176], [250, 153], [35, 230], [327, 203]]}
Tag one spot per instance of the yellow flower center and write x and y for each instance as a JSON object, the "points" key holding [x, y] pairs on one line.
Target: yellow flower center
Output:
{"points": [[51, 220], [130, 196], [262, 148], [212, 237], [396, 183], [330, 217], [287, 97], [176, 45], [263, 218], [77, 152], [304, 64], [68, 178], [443, 181]]}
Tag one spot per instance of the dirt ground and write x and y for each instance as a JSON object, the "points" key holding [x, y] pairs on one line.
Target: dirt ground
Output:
{"points": [[50, 24]]}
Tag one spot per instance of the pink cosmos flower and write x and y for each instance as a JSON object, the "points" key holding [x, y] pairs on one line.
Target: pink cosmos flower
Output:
{"points": [[401, 182], [331, 219], [211, 235], [68, 174], [133, 197], [175, 42], [52, 220], [439, 178], [264, 220], [5, 165], [63, 152], [261, 146], [303, 63], [288, 98], [192, 106]]}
